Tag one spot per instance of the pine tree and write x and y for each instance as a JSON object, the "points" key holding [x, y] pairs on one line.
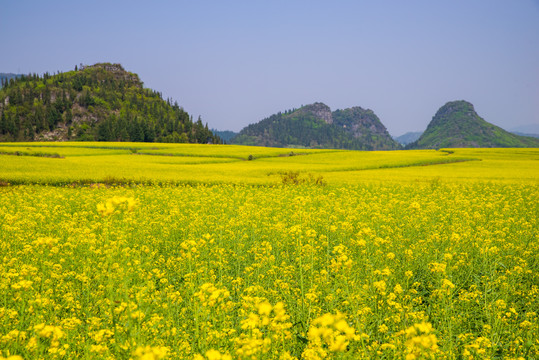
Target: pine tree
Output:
{"points": [[104, 132]]}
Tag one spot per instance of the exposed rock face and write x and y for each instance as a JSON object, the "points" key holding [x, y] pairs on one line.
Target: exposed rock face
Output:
{"points": [[365, 125], [117, 70], [319, 110], [359, 121]]}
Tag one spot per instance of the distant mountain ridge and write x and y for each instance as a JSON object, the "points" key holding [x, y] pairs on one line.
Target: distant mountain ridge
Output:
{"points": [[408, 138], [525, 134], [526, 129], [316, 126], [225, 135], [456, 124], [5, 77]]}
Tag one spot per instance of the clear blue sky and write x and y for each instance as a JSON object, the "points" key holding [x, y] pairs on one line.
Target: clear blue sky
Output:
{"points": [[237, 62]]}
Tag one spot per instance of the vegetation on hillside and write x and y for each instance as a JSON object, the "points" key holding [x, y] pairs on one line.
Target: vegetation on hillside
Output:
{"points": [[456, 124], [314, 126], [365, 126], [101, 102]]}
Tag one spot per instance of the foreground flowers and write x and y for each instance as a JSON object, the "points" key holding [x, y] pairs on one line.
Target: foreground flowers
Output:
{"points": [[429, 271]]}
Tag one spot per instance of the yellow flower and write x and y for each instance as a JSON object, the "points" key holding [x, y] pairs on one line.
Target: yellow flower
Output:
{"points": [[110, 206], [380, 286], [49, 331], [332, 330], [383, 328], [100, 349], [421, 341], [264, 308], [150, 353], [105, 209], [216, 355], [23, 284], [437, 267]]}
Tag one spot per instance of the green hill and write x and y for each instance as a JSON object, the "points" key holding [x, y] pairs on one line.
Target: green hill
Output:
{"points": [[456, 124], [101, 102], [315, 126]]}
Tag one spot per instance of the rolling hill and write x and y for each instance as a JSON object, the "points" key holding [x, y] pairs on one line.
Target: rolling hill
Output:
{"points": [[457, 125]]}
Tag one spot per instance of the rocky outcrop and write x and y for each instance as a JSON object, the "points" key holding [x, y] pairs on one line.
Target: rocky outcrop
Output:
{"points": [[318, 110], [363, 124]]}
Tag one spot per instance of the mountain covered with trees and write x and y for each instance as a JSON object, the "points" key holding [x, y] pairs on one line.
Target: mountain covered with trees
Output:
{"points": [[225, 135], [316, 126], [456, 124], [101, 102]]}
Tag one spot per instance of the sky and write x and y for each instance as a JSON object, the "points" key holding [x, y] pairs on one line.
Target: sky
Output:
{"points": [[237, 62]]}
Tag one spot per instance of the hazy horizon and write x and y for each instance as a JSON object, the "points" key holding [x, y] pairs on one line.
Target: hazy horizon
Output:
{"points": [[235, 63]]}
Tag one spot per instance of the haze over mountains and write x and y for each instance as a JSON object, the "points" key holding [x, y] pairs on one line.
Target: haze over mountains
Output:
{"points": [[408, 138], [6, 77], [105, 102]]}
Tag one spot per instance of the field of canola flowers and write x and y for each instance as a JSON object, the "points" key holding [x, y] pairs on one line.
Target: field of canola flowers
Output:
{"points": [[443, 265]]}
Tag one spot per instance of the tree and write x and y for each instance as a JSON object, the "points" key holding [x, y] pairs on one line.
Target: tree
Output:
{"points": [[68, 116], [29, 132], [149, 134], [136, 133], [3, 124], [53, 117], [104, 132]]}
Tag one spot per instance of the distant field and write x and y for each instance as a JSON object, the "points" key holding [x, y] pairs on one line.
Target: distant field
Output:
{"points": [[64, 163], [228, 252]]}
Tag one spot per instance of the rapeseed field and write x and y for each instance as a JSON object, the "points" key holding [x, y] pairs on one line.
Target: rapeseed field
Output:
{"points": [[372, 262]]}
